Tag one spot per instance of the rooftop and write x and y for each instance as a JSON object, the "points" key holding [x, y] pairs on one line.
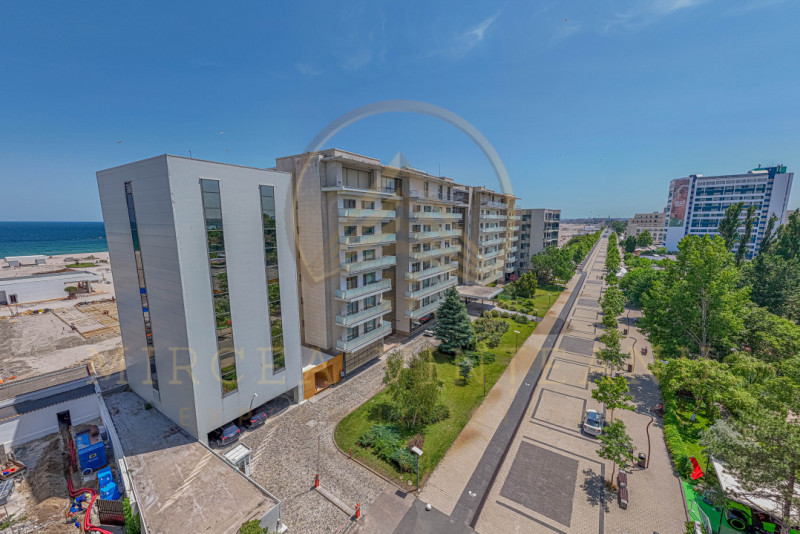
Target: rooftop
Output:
{"points": [[69, 275]]}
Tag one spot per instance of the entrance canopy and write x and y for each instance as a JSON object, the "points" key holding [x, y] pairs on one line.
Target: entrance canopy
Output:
{"points": [[478, 292], [758, 498]]}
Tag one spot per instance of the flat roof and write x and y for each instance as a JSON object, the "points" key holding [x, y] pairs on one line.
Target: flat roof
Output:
{"points": [[71, 275], [180, 485], [478, 292], [758, 497], [20, 258], [18, 387]]}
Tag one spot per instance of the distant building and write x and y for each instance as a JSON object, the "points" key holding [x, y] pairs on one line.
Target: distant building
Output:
{"points": [[655, 223], [16, 261], [203, 257], [538, 230], [697, 203], [45, 286]]}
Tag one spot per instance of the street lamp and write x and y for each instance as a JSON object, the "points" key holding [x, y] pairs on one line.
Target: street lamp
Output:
{"points": [[516, 338], [418, 452]]}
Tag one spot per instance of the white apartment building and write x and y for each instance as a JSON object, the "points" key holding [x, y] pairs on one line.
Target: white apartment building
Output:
{"points": [[697, 203], [538, 230], [654, 222], [490, 238], [203, 256]]}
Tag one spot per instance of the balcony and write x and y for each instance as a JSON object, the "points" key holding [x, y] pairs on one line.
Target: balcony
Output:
{"points": [[439, 234], [364, 315], [360, 191], [491, 229], [512, 228], [425, 254], [513, 249], [489, 268], [371, 265], [434, 196], [347, 213], [490, 255], [381, 286], [510, 268], [492, 217], [510, 259], [514, 238], [366, 240], [490, 242], [364, 339], [430, 290], [515, 217], [497, 205], [425, 310], [434, 215], [433, 271]]}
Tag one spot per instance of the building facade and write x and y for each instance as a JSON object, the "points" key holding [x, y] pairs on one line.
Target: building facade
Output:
{"points": [[538, 230], [45, 286], [697, 203], [203, 257], [490, 240], [654, 222]]}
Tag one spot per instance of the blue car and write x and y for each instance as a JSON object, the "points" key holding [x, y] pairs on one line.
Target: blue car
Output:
{"points": [[225, 435]]}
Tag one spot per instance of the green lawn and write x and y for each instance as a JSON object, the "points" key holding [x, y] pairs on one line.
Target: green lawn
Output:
{"points": [[460, 398], [545, 297], [690, 433], [80, 265]]}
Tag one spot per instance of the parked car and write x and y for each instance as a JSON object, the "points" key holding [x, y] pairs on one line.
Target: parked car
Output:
{"points": [[255, 419], [224, 435], [593, 422], [425, 318], [428, 333]]}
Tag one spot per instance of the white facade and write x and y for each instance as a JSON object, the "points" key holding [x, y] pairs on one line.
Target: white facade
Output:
{"points": [[43, 287], [696, 204], [190, 314], [538, 230]]}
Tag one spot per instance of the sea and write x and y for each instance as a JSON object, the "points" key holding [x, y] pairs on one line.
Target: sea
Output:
{"points": [[29, 238]]}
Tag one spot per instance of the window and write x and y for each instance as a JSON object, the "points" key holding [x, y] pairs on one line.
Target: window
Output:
{"points": [[273, 279], [352, 307], [218, 270], [356, 178], [352, 282], [137, 255], [369, 254], [349, 203], [370, 302], [368, 205], [350, 231], [369, 326], [350, 257], [391, 185], [352, 333], [369, 278], [427, 209], [368, 230], [416, 228]]}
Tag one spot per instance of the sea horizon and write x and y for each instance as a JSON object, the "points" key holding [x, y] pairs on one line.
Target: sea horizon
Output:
{"points": [[27, 238]]}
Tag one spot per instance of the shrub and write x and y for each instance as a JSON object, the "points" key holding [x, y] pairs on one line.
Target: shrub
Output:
{"points": [[389, 446], [383, 411], [488, 357], [506, 315], [440, 412], [133, 523], [521, 319], [487, 314], [495, 313], [678, 450], [416, 441], [253, 527]]}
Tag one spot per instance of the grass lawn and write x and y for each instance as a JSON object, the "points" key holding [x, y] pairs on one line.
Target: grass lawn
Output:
{"points": [[545, 297], [459, 397], [80, 265], [690, 433]]}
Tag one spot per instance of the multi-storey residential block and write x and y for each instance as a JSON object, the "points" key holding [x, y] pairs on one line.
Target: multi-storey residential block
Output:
{"points": [[696, 204], [538, 230], [654, 222], [490, 238], [203, 256]]}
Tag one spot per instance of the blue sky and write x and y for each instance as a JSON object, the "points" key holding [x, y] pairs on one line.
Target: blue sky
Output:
{"points": [[593, 105]]}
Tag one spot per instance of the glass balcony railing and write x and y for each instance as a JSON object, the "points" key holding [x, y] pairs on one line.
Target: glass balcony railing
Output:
{"points": [[492, 217], [512, 228], [364, 315], [364, 339], [490, 242], [498, 205], [433, 271], [371, 265], [348, 213], [430, 290], [513, 249], [434, 215], [361, 240], [439, 234], [425, 310], [368, 290], [425, 254], [489, 268], [490, 255]]}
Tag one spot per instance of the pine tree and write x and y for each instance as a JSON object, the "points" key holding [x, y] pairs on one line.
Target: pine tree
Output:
{"points": [[453, 326]]}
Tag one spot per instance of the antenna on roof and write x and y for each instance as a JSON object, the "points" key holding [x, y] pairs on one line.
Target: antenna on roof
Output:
{"points": [[190, 153]]}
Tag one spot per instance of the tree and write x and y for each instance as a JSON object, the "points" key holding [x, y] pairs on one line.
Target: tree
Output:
{"points": [[613, 393], [774, 282], [696, 303], [708, 381], [71, 289], [630, 244], [611, 356], [645, 239], [769, 235], [636, 283], [526, 286], [761, 450], [613, 301], [750, 219], [728, 226], [453, 326], [619, 227], [465, 368], [617, 446], [413, 388], [253, 527], [787, 243], [767, 336]]}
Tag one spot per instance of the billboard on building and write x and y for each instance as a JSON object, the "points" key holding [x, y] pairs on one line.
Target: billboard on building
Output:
{"points": [[679, 193]]}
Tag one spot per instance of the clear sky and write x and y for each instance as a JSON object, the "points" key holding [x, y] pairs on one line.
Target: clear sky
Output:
{"points": [[593, 105]]}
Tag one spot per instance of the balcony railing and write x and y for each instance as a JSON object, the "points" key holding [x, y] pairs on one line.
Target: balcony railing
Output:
{"points": [[510, 268], [433, 271], [515, 217], [364, 315], [425, 310], [513, 249], [510, 259], [361, 240], [490, 242], [491, 229], [490, 255], [364, 339], [512, 228], [439, 234], [349, 213], [370, 265], [368, 290], [437, 215], [498, 205], [492, 217], [425, 254], [433, 195], [489, 268], [434, 288]]}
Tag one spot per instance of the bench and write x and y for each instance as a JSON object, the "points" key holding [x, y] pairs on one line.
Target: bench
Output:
{"points": [[623, 498], [622, 479]]}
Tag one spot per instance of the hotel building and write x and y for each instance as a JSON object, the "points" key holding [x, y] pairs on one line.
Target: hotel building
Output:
{"points": [[538, 230], [655, 223], [697, 203], [203, 256]]}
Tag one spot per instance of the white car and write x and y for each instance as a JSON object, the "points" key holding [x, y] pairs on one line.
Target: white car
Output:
{"points": [[593, 422]]}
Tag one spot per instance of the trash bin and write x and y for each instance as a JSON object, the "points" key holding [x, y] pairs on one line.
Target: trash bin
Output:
{"points": [[642, 460]]}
